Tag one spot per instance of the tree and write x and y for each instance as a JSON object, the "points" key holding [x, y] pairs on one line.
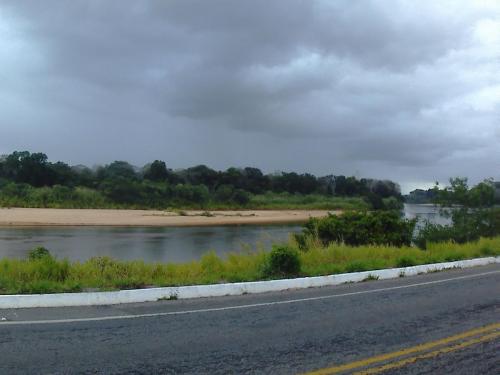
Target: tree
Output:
{"points": [[233, 176], [23, 167], [482, 195], [84, 176], [295, 183], [458, 193], [327, 185], [201, 175], [62, 174], [117, 169], [255, 181], [157, 171]]}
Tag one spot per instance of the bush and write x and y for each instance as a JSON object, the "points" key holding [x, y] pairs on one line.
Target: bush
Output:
{"points": [[38, 253], [282, 261], [360, 228], [433, 233]]}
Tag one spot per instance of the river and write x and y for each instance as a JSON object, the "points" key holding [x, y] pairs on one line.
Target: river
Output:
{"points": [[152, 244], [424, 212]]}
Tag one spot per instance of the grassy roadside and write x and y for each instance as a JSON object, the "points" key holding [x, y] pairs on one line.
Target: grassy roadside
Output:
{"points": [[49, 275]]}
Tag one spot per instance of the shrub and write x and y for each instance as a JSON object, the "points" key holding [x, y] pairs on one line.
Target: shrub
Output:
{"points": [[360, 228], [433, 233], [38, 253], [282, 261]]}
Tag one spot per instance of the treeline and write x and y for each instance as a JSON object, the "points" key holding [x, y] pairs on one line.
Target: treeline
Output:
{"points": [[31, 177]]}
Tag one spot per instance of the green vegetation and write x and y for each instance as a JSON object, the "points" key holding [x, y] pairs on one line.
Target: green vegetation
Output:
{"points": [[280, 201], [45, 274], [467, 225], [282, 261], [485, 194], [481, 195], [30, 180], [358, 228], [38, 253], [472, 212]]}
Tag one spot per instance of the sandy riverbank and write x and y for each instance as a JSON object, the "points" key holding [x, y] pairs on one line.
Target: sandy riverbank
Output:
{"points": [[84, 217]]}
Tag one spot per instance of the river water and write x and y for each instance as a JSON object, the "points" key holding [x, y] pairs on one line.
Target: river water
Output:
{"points": [[425, 212], [170, 244]]}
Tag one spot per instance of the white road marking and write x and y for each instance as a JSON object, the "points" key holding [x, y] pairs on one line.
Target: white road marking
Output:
{"points": [[238, 307]]}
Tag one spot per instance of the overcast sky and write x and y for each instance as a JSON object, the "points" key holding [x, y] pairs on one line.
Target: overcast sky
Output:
{"points": [[405, 90]]}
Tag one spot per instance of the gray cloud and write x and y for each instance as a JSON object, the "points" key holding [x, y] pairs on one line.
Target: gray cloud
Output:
{"points": [[398, 89]]}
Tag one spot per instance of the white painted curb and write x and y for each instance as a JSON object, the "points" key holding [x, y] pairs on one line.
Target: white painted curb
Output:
{"points": [[217, 290]]}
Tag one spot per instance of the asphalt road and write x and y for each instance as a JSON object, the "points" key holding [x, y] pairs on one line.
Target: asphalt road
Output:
{"points": [[275, 333]]}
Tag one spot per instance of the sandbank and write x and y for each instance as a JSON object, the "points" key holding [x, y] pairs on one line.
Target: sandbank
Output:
{"points": [[110, 217]]}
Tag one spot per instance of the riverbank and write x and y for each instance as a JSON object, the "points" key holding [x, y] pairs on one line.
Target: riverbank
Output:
{"points": [[153, 218]]}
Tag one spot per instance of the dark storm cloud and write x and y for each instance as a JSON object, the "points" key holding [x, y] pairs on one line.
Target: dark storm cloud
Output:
{"points": [[395, 89]]}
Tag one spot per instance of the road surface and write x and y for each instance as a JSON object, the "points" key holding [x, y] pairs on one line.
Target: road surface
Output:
{"points": [[446, 323]]}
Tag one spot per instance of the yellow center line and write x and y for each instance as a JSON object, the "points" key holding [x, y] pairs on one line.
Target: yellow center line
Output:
{"points": [[428, 355], [407, 351]]}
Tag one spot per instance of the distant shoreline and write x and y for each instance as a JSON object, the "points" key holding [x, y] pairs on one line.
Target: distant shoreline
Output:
{"points": [[42, 217]]}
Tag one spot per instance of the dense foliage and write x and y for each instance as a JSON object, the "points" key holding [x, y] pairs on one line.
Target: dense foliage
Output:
{"points": [[30, 179], [357, 228]]}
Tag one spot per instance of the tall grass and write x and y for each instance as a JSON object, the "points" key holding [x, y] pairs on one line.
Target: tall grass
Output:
{"points": [[49, 275]]}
